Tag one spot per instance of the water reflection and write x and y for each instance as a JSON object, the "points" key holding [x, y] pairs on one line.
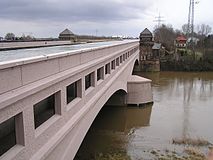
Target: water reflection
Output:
{"points": [[111, 128], [182, 109], [189, 85], [122, 119]]}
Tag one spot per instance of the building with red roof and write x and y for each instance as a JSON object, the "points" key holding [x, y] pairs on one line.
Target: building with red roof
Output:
{"points": [[180, 41]]}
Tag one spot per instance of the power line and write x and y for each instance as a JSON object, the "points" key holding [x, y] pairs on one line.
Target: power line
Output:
{"points": [[159, 19]]}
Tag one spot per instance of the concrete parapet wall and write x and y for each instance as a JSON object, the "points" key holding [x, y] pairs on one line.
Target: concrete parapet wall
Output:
{"points": [[18, 73]]}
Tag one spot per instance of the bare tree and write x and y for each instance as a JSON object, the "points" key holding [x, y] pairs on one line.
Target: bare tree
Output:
{"points": [[208, 30], [185, 28], [203, 29], [166, 35], [10, 36], [27, 37]]}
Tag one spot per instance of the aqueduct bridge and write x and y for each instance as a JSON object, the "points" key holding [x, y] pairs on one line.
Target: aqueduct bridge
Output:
{"points": [[48, 103]]}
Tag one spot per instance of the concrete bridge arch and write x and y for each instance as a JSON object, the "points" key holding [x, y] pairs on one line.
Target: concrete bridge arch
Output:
{"points": [[34, 80], [70, 145]]}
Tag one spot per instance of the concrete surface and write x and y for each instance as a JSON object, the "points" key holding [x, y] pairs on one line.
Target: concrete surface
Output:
{"points": [[23, 83]]}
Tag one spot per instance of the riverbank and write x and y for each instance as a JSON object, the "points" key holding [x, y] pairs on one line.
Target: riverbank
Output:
{"points": [[202, 65], [201, 61]]}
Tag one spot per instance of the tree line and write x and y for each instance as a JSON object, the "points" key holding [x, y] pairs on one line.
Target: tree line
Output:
{"points": [[166, 35], [12, 37], [203, 61]]}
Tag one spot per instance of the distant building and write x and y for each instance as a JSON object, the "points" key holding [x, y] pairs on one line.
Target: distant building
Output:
{"points": [[146, 43], [193, 39], [67, 35], [180, 47], [156, 51], [149, 52], [180, 41]]}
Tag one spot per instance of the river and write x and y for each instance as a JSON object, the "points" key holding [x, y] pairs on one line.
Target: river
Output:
{"points": [[177, 125]]}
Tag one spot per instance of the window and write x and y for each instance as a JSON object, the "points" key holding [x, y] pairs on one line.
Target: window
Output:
{"points": [[113, 65], [89, 80], [11, 133], [44, 109], [107, 68], [100, 73], [7, 135], [73, 91], [117, 61], [121, 59]]}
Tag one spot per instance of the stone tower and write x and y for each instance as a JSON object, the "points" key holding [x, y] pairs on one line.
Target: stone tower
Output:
{"points": [[146, 43], [148, 59]]}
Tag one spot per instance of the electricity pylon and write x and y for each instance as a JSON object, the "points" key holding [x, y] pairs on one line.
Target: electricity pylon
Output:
{"points": [[190, 26], [159, 19]]}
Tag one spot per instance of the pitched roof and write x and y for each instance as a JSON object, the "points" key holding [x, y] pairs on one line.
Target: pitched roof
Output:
{"points": [[156, 46], [145, 32], [181, 38], [66, 32]]}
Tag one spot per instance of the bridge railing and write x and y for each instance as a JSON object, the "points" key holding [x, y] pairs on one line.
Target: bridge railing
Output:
{"points": [[38, 96]]}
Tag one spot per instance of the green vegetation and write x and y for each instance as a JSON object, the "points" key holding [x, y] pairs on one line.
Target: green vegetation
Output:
{"points": [[189, 153], [112, 156], [188, 61], [192, 150], [190, 141]]}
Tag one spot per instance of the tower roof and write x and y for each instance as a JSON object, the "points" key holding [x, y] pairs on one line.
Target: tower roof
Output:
{"points": [[66, 32], [146, 33]]}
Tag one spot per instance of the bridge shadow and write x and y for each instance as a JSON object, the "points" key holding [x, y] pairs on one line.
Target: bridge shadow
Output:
{"points": [[136, 67], [112, 127]]}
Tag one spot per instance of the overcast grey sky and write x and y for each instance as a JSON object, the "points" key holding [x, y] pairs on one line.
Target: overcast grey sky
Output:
{"points": [[46, 18]]}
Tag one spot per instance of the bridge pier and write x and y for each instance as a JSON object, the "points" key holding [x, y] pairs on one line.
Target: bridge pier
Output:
{"points": [[139, 90]]}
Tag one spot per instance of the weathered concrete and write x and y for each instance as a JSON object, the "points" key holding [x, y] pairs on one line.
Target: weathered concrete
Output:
{"points": [[36, 78]]}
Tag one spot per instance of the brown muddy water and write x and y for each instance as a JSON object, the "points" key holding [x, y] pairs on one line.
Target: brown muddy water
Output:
{"points": [[178, 125]]}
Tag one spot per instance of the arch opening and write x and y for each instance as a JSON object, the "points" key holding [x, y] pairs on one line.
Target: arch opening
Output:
{"points": [[117, 99], [114, 121]]}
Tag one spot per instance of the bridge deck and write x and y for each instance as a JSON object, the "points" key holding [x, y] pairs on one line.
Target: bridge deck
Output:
{"points": [[45, 51]]}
